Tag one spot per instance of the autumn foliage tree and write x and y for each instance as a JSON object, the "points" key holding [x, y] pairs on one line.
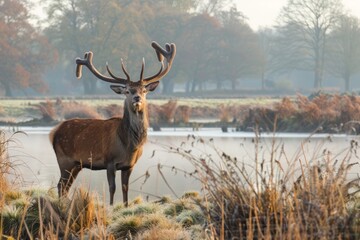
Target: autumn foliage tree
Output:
{"points": [[24, 53]]}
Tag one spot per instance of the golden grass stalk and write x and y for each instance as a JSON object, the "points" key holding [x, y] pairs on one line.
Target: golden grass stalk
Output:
{"points": [[313, 197]]}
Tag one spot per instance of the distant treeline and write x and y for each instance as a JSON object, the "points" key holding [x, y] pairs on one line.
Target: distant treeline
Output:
{"points": [[313, 46]]}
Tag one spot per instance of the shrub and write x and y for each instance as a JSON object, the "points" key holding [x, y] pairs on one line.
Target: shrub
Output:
{"points": [[38, 215], [164, 113], [320, 113], [135, 225], [113, 110], [183, 114], [286, 108], [79, 110], [229, 113], [47, 111], [11, 218]]}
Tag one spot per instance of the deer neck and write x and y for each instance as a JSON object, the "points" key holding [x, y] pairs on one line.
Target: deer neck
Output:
{"points": [[134, 128]]}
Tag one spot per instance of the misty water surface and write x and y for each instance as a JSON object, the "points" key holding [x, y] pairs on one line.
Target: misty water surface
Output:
{"points": [[38, 167]]}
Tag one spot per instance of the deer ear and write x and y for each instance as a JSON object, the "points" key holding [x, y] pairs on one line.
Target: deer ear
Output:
{"points": [[152, 86], [118, 89]]}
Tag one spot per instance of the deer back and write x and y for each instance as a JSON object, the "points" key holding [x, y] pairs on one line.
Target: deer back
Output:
{"points": [[89, 141]]}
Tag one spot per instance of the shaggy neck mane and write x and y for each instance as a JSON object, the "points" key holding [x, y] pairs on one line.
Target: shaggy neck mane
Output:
{"points": [[134, 127]]}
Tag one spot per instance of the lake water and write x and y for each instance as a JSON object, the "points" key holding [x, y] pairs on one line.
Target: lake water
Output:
{"points": [[37, 165]]}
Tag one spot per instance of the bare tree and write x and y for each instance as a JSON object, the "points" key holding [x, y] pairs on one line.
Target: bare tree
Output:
{"points": [[304, 28], [239, 51], [344, 58], [212, 7]]}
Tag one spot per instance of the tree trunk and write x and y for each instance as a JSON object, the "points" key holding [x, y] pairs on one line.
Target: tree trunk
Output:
{"points": [[233, 84], [347, 82], [317, 74], [317, 67], [89, 84], [93, 86], [193, 86], [188, 84], [168, 86], [263, 81], [8, 91], [86, 87], [219, 84]]}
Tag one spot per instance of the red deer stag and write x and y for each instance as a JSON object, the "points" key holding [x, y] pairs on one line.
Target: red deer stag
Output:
{"points": [[115, 143]]}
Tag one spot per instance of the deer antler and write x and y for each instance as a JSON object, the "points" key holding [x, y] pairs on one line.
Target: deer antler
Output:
{"points": [[168, 53], [161, 53], [87, 61]]}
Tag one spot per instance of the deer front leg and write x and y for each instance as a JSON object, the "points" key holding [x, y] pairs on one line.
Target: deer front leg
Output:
{"points": [[110, 171], [125, 175]]}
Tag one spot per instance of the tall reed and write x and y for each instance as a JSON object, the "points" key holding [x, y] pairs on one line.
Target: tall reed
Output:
{"points": [[270, 196]]}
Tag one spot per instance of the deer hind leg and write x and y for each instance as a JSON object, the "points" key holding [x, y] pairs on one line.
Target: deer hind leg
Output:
{"points": [[67, 178], [125, 175], [110, 172]]}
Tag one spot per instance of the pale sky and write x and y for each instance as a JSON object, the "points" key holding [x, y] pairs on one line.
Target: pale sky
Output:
{"points": [[263, 13]]}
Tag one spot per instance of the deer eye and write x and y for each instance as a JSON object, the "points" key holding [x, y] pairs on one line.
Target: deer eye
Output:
{"points": [[127, 92]]}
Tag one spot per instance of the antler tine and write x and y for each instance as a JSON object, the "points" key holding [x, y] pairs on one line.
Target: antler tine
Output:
{"points": [[142, 70], [87, 61], [124, 69], [161, 53], [113, 75], [147, 80]]}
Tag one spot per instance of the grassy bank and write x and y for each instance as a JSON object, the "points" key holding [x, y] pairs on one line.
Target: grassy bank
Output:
{"points": [[322, 113], [162, 112]]}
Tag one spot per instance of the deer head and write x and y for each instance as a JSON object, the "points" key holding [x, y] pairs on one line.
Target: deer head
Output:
{"points": [[135, 91]]}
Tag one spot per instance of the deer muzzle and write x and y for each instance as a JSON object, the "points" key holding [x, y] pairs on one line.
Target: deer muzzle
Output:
{"points": [[137, 104]]}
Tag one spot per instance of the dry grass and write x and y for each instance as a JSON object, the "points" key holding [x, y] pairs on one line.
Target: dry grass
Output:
{"points": [[312, 197], [4, 166], [41, 215]]}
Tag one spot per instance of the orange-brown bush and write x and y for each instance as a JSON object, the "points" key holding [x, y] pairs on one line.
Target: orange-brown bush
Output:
{"points": [[226, 112], [308, 110], [164, 113], [327, 113], [47, 110], [286, 108], [79, 110], [205, 112], [350, 108], [113, 110], [183, 114]]}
